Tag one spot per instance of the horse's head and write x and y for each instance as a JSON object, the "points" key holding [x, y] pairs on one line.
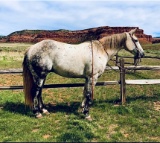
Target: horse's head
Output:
{"points": [[133, 45]]}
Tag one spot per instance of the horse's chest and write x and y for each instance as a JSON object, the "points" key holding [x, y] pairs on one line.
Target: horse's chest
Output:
{"points": [[100, 64]]}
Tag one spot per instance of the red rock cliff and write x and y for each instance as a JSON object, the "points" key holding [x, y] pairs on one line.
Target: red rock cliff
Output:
{"points": [[33, 36]]}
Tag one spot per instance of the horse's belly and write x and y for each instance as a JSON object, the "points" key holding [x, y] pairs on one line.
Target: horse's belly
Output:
{"points": [[73, 70], [68, 73], [69, 63]]}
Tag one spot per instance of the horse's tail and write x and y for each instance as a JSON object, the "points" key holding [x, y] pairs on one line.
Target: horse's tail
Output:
{"points": [[27, 83]]}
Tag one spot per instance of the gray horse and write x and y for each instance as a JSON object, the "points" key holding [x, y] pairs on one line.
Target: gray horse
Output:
{"points": [[85, 60]]}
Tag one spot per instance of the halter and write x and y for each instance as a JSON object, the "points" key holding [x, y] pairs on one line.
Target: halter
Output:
{"points": [[134, 41], [138, 55]]}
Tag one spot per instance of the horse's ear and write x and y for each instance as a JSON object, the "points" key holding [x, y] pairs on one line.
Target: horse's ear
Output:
{"points": [[133, 31]]}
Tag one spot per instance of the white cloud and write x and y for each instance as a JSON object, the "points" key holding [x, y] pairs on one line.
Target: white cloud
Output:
{"points": [[78, 14]]}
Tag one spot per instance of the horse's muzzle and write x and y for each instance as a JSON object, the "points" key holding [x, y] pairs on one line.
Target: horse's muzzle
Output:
{"points": [[139, 55]]}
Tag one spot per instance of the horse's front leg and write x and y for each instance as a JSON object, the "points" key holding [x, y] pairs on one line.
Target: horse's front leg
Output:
{"points": [[87, 93]]}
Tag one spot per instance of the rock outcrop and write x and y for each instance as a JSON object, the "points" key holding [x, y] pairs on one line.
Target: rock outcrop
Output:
{"points": [[78, 36], [155, 40]]}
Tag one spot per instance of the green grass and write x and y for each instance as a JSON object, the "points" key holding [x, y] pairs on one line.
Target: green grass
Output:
{"points": [[12, 54], [14, 47], [152, 49], [136, 121]]}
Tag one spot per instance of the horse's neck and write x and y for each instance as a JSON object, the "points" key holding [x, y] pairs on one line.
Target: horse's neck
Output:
{"points": [[112, 44]]}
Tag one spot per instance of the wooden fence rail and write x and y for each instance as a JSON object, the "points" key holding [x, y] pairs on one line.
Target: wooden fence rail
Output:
{"points": [[131, 57], [122, 82], [11, 71], [104, 83]]}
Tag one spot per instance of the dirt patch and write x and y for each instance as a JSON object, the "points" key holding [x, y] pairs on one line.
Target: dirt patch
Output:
{"points": [[154, 138], [46, 136], [156, 105], [35, 130], [1, 107], [111, 130], [11, 80]]}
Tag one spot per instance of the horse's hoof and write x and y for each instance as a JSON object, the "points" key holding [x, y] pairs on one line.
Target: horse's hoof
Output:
{"points": [[39, 115], [90, 102], [45, 111], [88, 118]]}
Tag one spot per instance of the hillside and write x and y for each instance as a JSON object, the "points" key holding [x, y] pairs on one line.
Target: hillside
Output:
{"points": [[78, 36], [156, 40]]}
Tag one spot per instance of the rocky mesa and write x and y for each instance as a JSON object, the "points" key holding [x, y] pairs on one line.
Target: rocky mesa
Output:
{"points": [[78, 36]]}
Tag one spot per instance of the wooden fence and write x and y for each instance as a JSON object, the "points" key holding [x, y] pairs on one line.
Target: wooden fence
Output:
{"points": [[135, 60], [122, 82]]}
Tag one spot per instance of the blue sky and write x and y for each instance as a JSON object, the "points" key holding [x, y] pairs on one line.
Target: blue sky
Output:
{"points": [[18, 15]]}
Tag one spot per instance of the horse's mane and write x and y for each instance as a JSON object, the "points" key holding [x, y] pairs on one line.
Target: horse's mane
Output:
{"points": [[113, 41]]}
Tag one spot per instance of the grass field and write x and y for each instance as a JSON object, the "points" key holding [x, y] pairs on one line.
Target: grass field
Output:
{"points": [[136, 121]]}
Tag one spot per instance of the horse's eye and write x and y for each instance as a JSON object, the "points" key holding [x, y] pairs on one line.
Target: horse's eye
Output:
{"points": [[135, 40]]}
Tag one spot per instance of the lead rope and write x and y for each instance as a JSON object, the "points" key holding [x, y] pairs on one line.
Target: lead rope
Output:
{"points": [[92, 96]]}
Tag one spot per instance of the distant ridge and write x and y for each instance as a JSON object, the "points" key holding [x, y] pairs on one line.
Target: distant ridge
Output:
{"points": [[156, 40], [68, 36]]}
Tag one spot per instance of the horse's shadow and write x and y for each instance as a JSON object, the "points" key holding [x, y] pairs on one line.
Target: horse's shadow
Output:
{"points": [[20, 108], [69, 108]]}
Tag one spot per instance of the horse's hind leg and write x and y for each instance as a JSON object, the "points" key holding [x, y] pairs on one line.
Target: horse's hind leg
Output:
{"points": [[38, 106], [41, 105], [36, 90], [87, 96]]}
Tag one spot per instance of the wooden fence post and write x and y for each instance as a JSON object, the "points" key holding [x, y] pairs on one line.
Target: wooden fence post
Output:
{"points": [[122, 82]]}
